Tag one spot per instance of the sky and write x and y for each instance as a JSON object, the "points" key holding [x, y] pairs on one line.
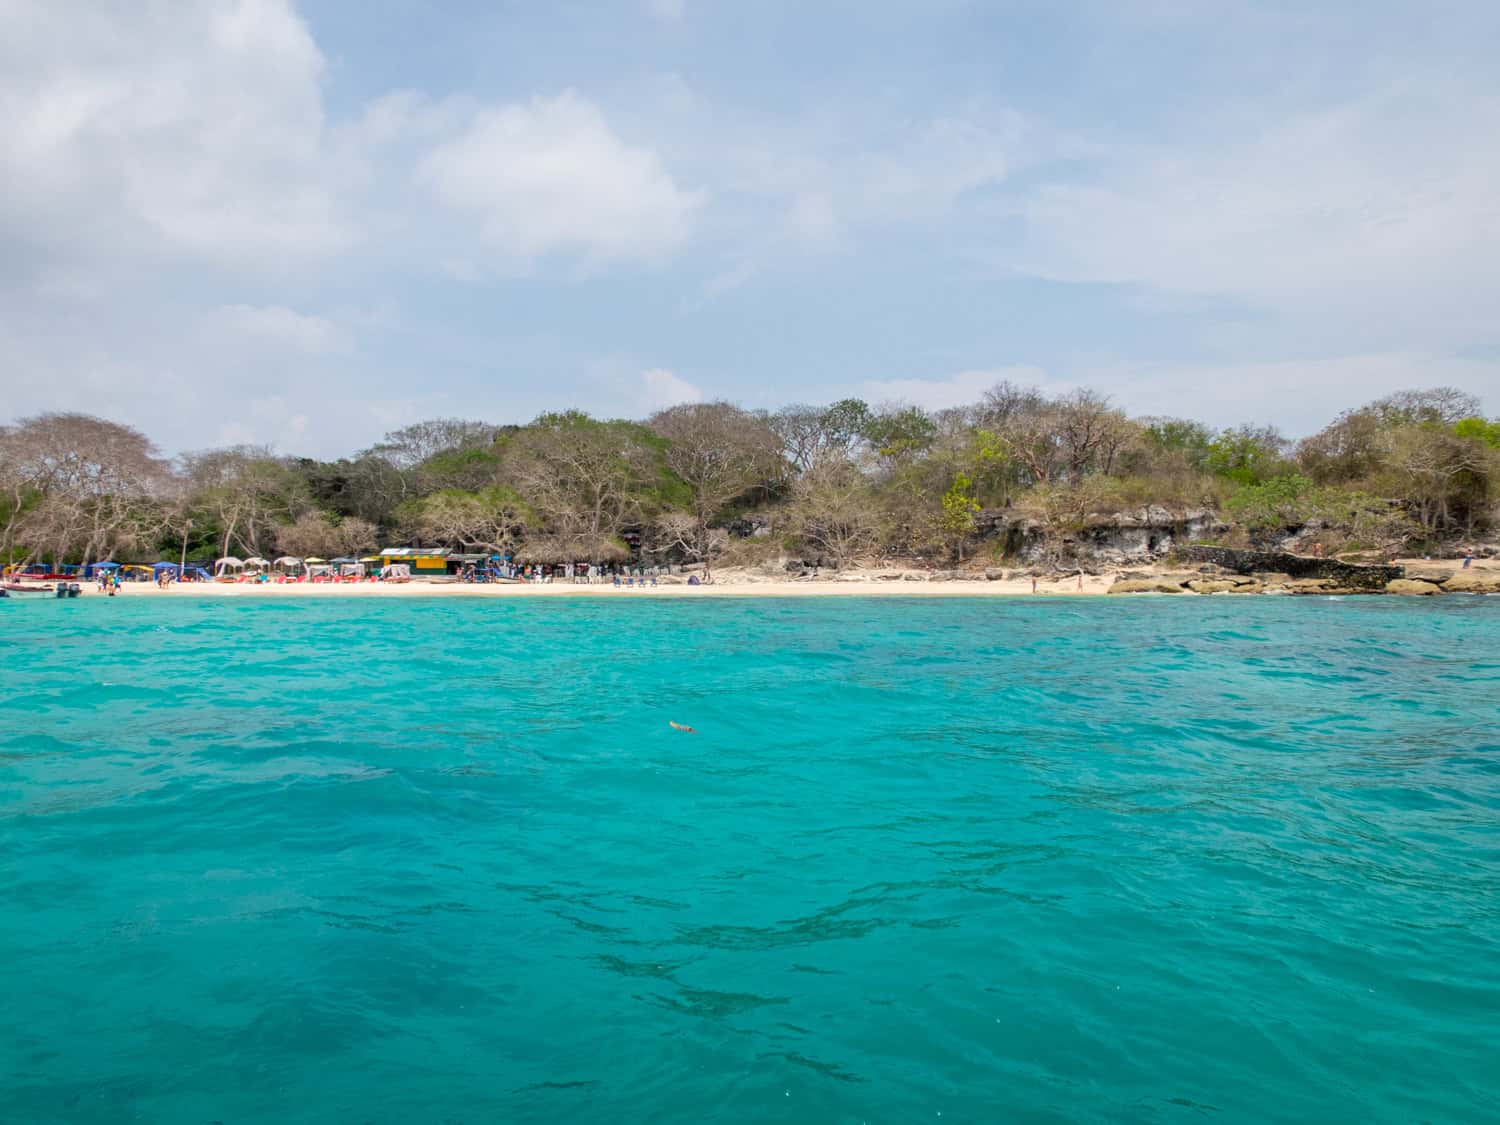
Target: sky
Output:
{"points": [[306, 222]]}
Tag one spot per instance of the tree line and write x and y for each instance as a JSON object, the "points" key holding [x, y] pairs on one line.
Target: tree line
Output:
{"points": [[841, 483]]}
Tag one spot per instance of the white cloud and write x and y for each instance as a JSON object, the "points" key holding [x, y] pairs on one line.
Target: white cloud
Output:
{"points": [[280, 326], [662, 388], [190, 129], [1381, 207], [549, 176]]}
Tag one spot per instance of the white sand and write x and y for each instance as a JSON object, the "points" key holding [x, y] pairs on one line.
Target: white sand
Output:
{"points": [[743, 588]]}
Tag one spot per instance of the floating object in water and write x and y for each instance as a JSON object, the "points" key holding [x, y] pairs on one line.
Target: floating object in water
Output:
{"points": [[681, 727]]}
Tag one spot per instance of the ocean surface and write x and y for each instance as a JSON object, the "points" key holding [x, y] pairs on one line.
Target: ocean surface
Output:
{"points": [[1155, 860]]}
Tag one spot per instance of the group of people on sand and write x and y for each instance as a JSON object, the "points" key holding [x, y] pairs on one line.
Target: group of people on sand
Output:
{"points": [[587, 574]]}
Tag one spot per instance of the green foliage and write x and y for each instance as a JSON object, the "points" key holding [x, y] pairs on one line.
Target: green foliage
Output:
{"points": [[1246, 454], [1279, 502], [1479, 429], [1180, 435], [899, 435], [959, 507]]}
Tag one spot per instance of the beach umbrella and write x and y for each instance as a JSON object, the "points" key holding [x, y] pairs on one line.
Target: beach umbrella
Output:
{"points": [[311, 561]]}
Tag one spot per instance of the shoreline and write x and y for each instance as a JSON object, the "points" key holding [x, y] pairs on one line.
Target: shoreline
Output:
{"points": [[1092, 587], [876, 584]]}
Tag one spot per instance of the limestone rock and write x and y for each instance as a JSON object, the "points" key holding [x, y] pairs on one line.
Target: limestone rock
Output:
{"points": [[1473, 582], [1145, 586], [993, 575], [1438, 574], [1412, 586], [1212, 586]]}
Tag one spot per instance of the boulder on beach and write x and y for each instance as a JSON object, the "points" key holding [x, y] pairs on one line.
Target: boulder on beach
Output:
{"points": [[1473, 582], [1145, 586], [1213, 586], [1412, 586]]}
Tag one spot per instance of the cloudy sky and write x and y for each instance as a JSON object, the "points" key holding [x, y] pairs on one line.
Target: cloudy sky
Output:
{"points": [[305, 223]]}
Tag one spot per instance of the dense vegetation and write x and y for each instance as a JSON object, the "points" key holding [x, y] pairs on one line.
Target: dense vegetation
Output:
{"points": [[841, 483]]}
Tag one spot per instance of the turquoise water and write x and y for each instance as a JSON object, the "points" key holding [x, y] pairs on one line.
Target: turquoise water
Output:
{"points": [[959, 861]]}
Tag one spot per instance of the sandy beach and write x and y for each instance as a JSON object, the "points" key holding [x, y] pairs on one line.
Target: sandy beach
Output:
{"points": [[730, 584], [741, 588]]}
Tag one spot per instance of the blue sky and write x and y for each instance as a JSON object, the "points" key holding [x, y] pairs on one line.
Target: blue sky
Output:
{"points": [[307, 223]]}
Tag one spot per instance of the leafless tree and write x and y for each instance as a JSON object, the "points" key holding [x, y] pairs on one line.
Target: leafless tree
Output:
{"points": [[721, 453], [80, 485], [834, 510], [492, 519], [247, 492], [587, 480], [315, 534]]}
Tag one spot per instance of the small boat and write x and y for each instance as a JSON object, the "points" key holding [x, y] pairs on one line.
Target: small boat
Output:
{"points": [[16, 589]]}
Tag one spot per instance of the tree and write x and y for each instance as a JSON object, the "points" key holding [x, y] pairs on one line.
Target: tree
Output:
{"points": [[1247, 454], [587, 480], [1440, 406], [316, 534], [410, 446], [75, 483], [899, 434], [1090, 433], [1347, 449], [720, 453], [959, 506], [492, 519], [247, 492], [1442, 478], [833, 511], [811, 435], [1480, 430]]}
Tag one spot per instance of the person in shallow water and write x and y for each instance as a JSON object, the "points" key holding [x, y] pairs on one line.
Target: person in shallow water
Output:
{"points": [[681, 726]]}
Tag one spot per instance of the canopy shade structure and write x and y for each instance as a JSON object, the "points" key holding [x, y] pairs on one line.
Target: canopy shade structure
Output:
{"points": [[342, 559], [256, 561], [229, 560], [287, 560], [107, 566], [164, 565], [137, 566], [312, 561]]}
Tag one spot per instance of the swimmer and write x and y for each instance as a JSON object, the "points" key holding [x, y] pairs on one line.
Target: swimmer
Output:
{"points": [[681, 727]]}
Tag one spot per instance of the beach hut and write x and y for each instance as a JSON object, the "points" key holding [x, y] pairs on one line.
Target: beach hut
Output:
{"points": [[223, 567], [347, 566], [287, 564], [425, 562], [255, 562]]}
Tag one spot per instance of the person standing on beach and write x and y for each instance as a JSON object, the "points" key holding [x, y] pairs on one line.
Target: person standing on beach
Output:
{"points": [[1468, 557]]}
